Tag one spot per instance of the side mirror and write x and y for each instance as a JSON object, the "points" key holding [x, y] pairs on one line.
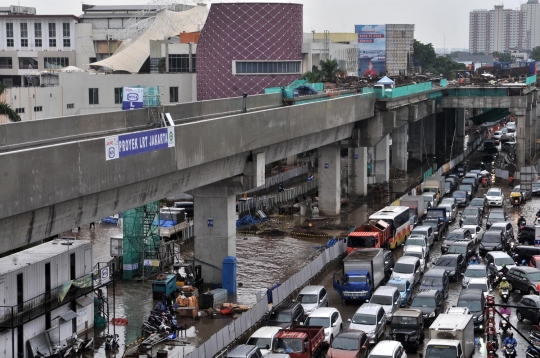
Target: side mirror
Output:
{"points": [[349, 320]]}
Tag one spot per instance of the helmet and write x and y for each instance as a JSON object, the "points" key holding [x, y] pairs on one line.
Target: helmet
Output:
{"points": [[523, 262], [492, 264], [511, 334], [504, 278], [503, 265]]}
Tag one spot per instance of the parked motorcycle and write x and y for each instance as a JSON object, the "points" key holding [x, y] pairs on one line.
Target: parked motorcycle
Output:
{"points": [[112, 342]]}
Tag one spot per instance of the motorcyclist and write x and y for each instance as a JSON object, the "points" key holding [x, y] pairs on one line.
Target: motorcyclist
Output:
{"points": [[510, 340], [504, 270], [521, 221], [505, 310], [504, 285]]}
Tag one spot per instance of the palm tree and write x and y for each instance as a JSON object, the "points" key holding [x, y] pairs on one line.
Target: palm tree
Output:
{"points": [[312, 76], [329, 68], [6, 110]]}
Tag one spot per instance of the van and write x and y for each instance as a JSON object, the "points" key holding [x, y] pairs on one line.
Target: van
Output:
{"points": [[475, 301], [263, 338], [527, 252], [389, 298], [312, 297]]}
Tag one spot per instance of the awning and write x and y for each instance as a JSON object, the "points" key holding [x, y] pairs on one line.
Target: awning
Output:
{"points": [[84, 301], [68, 316]]}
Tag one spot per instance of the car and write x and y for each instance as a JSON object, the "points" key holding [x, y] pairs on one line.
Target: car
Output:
{"points": [[464, 247], [536, 188], [417, 240], [473, 174], [431, 200], [405, 289], [349, 343], [245, 351], [388, 349], [476, 231], [413, 220], [526, 194], [327, 317], [527, 253], [430, 302], [458, 310], [473, 271], [416, 251], [475, 301], [471, 181], [407, 268], [467, 188], [492, 241], [535, 261], [427, 231], [495, 197], [495, 216], [470, 219], [436, 278], [509, 147], [497, 136], [448, 187], [524, 279], [528, 308], [460, 170], [452, 183], [511, 126], [451, 211], [455, 264], [454, 235], [449, 201], [527, 235], [286, 315], [312, 297], [407, 327], [471, 210], [498, 259], [479, 283], [480, 203], [263, 338], [388, 297], [506, 228], [371, 319], [489, 143], [461, 197], [436, 226]]}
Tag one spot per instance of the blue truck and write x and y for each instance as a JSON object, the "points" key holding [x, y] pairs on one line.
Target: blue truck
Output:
{"points": [[363, 273]]}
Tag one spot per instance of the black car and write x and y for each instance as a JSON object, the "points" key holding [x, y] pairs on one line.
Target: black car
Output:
{"points": [[436, 278], [480, 203], [286, 315], [461, 197], [460, 170], [494, 216], [472, 181], [524, 279], [492, 241], [526, 252], [455, 235], [407, 327], [526, 235], [464, 247], [468, 188], [438, 227], [475, 301], [471, 219], [430, 302], [528, 308], [455, 264], [389, 263]]}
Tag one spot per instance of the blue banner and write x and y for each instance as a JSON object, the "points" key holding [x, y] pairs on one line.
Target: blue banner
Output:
{"points": [[132, 97], [139, 142]]}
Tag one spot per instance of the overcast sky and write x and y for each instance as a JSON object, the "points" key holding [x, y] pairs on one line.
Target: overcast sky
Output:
{"points": [[433, 19]]}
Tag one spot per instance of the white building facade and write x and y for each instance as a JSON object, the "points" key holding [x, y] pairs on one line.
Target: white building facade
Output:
{"points": [[531, 22]]}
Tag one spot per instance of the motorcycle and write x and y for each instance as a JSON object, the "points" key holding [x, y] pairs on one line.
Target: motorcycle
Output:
{"points": [[112, 342], [496, 280], [533, 351], [503, 325], [509, 351], [505, 295]]}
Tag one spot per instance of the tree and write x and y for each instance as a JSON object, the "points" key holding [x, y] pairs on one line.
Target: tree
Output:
{"points": [[312, 76], [329, 68], [6, 110], [425, 56], [503, 56], [535, 53], [478, 53]]}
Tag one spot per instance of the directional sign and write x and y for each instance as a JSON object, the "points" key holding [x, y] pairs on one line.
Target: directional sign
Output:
{"points": [[210, 222]]}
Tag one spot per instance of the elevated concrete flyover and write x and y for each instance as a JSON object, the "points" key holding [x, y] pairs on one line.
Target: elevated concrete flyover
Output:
{"points": [[50, 189]]}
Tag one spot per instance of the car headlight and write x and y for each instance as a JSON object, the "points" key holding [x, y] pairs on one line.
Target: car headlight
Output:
{"points": [[432, 314], [371, 334], [452, 272], [326, 334]]}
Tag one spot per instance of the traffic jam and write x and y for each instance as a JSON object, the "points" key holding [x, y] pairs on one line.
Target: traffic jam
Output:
{"points": [[450, 273]]}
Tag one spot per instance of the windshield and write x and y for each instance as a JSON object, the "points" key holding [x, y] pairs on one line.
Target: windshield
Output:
{"points": [[493, 193], [404, 268], [496, 216], [477, 202], [404, 320], [432, 224], [457, 249], [534, 276], [288, 345], [465, 187], [346, 344], [473, 306], [432, 281], [425, 302], [446, 261], [357, 278], [459, 194], [438, 351], [492, 238], [472, 230], [447, 185], [536, 185], [307, 298], [504, 261], [365, 241], [470, 211], [413, 241], [414, 254], [281, 317], [381, 300], [453, 236], [470, 220], [359, 318], [318, 321], [399, 285], [262, 343], [475, 273], [478, 286]]}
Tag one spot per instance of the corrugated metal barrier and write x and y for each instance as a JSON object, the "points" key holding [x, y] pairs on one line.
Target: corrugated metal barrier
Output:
{"points": [[228, 337]]}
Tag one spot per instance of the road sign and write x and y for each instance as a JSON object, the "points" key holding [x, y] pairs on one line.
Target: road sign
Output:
{"points": [[326, 165], [210, 222]]}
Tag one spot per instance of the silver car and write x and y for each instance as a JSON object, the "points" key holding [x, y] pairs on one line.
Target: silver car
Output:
{"points": [[312, 297], [389, 298], [370, 318], [427, 231]]}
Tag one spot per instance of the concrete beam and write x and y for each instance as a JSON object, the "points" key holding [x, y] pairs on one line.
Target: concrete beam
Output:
{"points": [[357, 180], [399, 147], [329, 174], [382, 160], [483, 102]]}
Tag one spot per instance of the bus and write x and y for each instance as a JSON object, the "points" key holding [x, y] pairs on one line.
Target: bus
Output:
{"points": [[398, 219]]}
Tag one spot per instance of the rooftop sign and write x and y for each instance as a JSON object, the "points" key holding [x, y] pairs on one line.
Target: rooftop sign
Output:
{"points": [[22, 10]]}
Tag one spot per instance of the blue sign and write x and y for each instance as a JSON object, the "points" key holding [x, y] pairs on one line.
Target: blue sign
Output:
{"points": [[139, 142], [210, 222], [326, 166], [356, 156], [132, 98]]}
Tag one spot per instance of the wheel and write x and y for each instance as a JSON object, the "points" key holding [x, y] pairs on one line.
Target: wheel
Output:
{"points": [[531, 291], [341, 327], [526, 242], [331, 339], [415, 347], [519, 316]]}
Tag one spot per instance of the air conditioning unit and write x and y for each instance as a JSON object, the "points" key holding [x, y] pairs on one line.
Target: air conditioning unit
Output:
{"points": [[109, 37]]}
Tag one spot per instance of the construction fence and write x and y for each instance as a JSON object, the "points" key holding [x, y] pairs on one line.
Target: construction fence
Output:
{"points": [[237, 331]]}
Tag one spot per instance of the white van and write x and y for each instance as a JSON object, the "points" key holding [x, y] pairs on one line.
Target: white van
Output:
{"points": [[263, 338]]}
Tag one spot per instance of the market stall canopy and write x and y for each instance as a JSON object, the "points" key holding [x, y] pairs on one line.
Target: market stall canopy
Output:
{"points": [[71, 69], [385, 81], [166, 24]]}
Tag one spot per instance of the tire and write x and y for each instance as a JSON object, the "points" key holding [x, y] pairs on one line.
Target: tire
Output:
{"points": [[331, 339], [341, 327], [526, 242], [415, 347], [519, 316], [531, 291]]}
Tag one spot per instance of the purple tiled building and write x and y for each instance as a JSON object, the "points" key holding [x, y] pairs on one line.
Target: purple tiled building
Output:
{"points": [[247, 47]]}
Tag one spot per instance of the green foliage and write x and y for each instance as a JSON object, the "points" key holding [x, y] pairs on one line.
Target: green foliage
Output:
{"points": [[503, 56], [478, 53], [329, 68], [425, 56], [535, 53], [161, 65], [312, 76], [5, 109]]}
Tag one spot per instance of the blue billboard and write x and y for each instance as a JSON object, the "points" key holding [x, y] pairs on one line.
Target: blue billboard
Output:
{"points": [[371, 50], [124, 145], [132, 98]]}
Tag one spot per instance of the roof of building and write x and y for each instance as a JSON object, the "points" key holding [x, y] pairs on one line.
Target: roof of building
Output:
{"points": [[466, 57], [111, 8], [37, 254]]}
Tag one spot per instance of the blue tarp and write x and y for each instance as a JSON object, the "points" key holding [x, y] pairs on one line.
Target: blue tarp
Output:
{"points": [[110, 220], [248, 220], [164, 223]]}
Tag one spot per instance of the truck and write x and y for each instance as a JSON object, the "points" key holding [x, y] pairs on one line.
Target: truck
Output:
{"points": [[363, 273], [373, 234], [438, 214], [435, 184], [450, 334], [291, 341], [416, 204]]}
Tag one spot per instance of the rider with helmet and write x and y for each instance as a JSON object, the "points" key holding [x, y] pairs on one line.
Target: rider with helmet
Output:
{"points": [[474, 260], [510, 340], [504, 284]]}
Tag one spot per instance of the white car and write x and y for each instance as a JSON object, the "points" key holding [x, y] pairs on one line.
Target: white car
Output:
{"points": [[329, 318], [264, 338], [495, 197], [479, 283], [407, 268], [416, 251], [477, 233], [511, 126], [497, 134], [388, 349]]}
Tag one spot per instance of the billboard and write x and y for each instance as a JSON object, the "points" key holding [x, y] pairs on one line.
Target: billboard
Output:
{"points": [[132, 98], [371, 50], [124, 145]]}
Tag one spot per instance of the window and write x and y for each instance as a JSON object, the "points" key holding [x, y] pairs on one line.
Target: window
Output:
{"points": [[52, 30], [6, 63], [173, 93], [19, 110], [118, 95], [38, 43], [24, 42], [37, 30], [9, 30], [67, 43], [28, 63], [70, 105], [66, 30], [38, 109], [56, 62], [10, 43], [24, 30], [178, 63], [266, 67], [52, 42], [93, 95], [153, 64], [72, 266]]}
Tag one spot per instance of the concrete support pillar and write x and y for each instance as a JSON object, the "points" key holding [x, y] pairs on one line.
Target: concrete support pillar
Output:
{"points": [[381, 161], [530, 142], [459, 143], [521, 136], [357, 180], [329, 179], [399, 147], [215, 226], [416, 140], [254, 171], [430, 126]]}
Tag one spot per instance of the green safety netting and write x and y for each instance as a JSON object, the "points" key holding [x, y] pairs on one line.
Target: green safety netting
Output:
{"points": [[477, 92], [490, 115]]}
